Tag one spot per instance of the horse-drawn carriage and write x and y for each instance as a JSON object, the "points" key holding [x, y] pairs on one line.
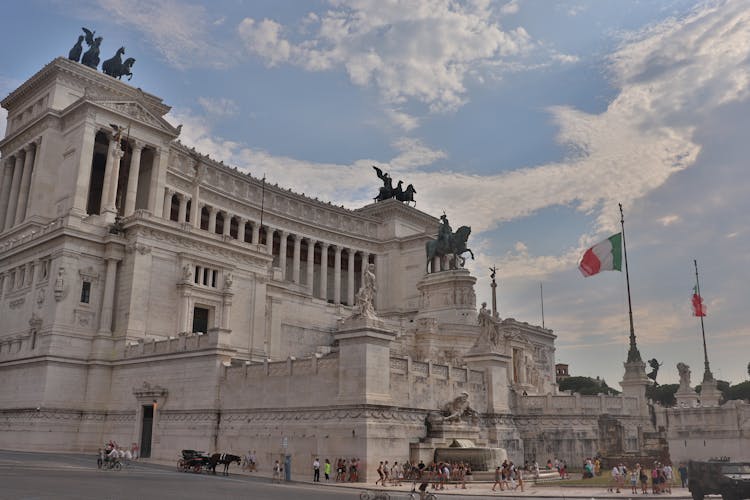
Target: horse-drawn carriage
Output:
{"points": [[194, 461], [197, 461]]}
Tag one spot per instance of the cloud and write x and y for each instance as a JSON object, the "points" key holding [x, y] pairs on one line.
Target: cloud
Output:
{"points": [[185, 34], [416, 50], [220, 106], [511, 7]]}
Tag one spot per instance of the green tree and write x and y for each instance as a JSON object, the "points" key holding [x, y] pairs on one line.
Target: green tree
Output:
{"points": [[740, 391], [586, 386], [663, 394]]}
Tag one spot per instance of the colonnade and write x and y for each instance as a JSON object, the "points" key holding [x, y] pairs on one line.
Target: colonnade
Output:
{"points": [[15, 184], [280, 243]]}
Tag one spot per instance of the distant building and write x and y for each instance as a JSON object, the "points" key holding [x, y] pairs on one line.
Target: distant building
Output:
{"points": [[561, 372]]}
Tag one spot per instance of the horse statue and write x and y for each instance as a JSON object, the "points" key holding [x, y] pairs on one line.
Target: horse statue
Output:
{"points": [[224, 459], [77, 50], [455, 247], [407, 195], [115, 68], [655, 365]]}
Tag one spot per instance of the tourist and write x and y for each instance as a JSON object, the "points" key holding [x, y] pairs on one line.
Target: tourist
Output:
{"points": [[597, 467], [380, 475], [327, 470], [253, 461], [668, 477], [615, 481], [519, 477], [134, 449], [498, 479], [682, 470], [386, 472], [316, 470], [634, 481], [277, 468], [644, 481]]}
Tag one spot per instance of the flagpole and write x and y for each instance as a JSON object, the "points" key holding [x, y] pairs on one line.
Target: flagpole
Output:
{"points": [[633, 354], [707, 375], [541, 298]]}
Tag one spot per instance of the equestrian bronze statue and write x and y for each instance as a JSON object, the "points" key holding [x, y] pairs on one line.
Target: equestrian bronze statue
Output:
{"points": [[388, 191], [448, 246]]}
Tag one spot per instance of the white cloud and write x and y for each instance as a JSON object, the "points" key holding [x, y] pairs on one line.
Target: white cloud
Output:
{"points": [[420, 51], [511, 7], [220, 106], [669, 219], [180, 31]]}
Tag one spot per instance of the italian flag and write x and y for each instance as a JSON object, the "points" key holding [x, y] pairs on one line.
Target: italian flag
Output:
{"points": [[604, 256], [699, 308]]}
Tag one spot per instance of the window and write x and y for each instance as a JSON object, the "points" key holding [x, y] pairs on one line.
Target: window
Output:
{"points": [[85, 292], [200, 319]]}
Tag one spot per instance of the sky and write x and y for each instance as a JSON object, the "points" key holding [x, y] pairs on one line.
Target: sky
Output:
{"points": [[528, 120]]}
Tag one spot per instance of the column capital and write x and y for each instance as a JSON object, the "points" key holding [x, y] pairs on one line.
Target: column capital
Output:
{"points": [[339, 248], [28, 147], [310, 240], [169, 191], [137, 144]]}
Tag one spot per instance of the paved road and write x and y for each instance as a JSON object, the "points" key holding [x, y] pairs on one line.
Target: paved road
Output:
{"points": [[44, 476], [37, 476]]}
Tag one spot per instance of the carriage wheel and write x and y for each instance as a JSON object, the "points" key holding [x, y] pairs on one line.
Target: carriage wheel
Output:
{"points": [[364, 495], [197, 468], [181, 465], [117, 466]]}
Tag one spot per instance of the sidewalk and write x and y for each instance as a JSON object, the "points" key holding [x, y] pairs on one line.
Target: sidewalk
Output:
{"points": [[473, 489]]}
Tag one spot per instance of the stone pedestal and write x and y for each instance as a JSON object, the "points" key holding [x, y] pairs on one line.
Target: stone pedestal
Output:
{"points": [[710, 393], [686, 398], [495, 366], [634, 384], [448, 297], [364, 361]]}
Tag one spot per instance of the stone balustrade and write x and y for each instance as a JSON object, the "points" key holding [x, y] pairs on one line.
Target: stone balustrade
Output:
{"points": [[570, 404]]}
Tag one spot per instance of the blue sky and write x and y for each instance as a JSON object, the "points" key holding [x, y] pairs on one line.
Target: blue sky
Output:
{"points": [[528, 120]]}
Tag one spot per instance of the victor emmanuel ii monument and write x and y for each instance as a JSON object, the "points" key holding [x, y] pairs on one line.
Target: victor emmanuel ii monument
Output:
{"points": [[143, 301]]}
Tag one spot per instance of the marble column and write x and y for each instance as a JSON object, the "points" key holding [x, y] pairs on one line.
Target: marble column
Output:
{"points": [[23, 194], [297, 257], [227, 224], [10, 215], [158, 179], [105, 318], [337, 275], [195, 208], [310, 265], [182, 212], [6, 179], [212, 212], [116, 159], [167, 210], [269, 240], [256, 234], [85, 163], [324, 271], [135, 169], [241, 223], [282, 253], [350, 278]]}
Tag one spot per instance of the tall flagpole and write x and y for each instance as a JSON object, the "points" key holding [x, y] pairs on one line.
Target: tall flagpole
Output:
{"points": [[541, 298], [707, 375], [633, 354]]}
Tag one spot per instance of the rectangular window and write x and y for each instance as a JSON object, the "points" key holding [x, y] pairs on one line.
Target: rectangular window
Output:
{"points": [[85, 292], [213, 278], [197, 277], [200, 319]]}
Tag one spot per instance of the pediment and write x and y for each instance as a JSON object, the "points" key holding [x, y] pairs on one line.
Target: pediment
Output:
{"points": [[134, 111]]}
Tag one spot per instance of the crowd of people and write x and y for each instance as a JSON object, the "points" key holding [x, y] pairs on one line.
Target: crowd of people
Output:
{"points": [[661, 476], [508, 477]]}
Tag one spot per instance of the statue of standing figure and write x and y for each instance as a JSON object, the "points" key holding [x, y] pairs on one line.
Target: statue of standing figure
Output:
{"points": [[365, 298], [91, 57], [684, 371]]}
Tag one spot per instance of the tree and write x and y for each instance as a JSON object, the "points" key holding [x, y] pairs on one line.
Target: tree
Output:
{"points": [[663, 394], [586, 386], [740, 391]]}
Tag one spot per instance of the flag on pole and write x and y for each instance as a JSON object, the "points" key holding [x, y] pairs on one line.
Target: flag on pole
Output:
{"points": [[699, 308], [604, 256]]}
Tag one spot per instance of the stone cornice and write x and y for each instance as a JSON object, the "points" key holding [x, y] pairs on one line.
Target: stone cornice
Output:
{"points": [[88, 76], [130, 110], [392, 207], [30, 131]]}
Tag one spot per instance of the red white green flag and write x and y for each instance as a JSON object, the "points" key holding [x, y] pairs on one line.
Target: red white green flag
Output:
{"points": [[604, 256], [699, 308]]}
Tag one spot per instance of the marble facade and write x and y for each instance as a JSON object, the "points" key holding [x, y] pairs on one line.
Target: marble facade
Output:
{"points": [[143, 300]]}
